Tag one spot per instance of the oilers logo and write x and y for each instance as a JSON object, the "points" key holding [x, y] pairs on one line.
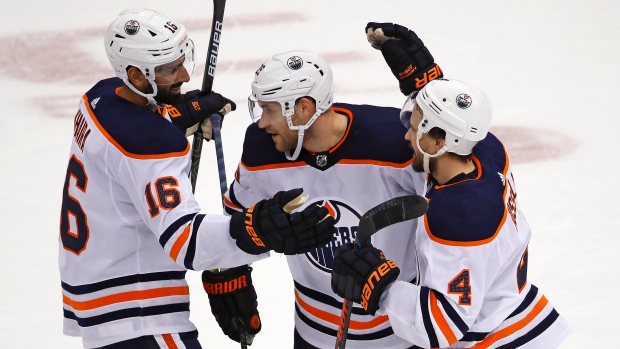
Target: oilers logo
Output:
{"points": [[295, 63], [132, 27], [347, 220], [463, 100]]}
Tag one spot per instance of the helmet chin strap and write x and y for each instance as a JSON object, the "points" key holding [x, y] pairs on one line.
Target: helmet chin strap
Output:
{"points": [[427, 157], [300, 135], [300, 141], [149, 97]]}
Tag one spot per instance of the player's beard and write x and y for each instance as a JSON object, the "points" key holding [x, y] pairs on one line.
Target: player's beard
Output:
{"points": [[286, 140], [165, 97], [418, 163]]}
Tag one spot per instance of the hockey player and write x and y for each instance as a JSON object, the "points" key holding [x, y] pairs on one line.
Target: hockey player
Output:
{"points": [[471, 248], [348, 158], [130, 226]]}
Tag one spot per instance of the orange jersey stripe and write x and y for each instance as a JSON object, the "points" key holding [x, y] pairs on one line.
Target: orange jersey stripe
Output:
{"points": [[471, 243], [346, 133], [231, 204], [169, 341], [505, 332], [126, 297], [375, 162], [274, 166], [176, 248], [335, 319], [441, 320]]}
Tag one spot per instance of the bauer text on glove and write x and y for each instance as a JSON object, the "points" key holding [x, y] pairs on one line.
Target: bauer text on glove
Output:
{"points": [[362, 275]]}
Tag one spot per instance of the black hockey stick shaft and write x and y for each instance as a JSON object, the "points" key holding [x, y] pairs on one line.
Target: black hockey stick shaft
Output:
{"points": [[390, 212], [207, 83], [216, 120]]}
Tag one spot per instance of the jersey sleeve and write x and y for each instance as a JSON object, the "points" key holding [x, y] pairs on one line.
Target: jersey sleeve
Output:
{"points": [[160, 190], [244, 191], [454, 278], [441, 312]]}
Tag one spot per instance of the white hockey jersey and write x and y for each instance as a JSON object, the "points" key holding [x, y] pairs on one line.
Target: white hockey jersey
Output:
{"points": [[472, 289], [130, 226], [369, 166]]}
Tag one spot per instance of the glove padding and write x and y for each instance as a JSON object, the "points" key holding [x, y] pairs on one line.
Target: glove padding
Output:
{"points": [[196, 109], [233, 301], [267, 226], [404, 52], [362, 275]]}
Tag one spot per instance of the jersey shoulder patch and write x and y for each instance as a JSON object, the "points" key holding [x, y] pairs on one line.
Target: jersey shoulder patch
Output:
{"points": [[376, 134], [473, 211], [136, 131]]}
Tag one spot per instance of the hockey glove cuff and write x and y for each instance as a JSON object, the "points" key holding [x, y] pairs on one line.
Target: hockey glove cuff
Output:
{"points": [[404, 52], [268, 226], [362, 275], [233, 301]]}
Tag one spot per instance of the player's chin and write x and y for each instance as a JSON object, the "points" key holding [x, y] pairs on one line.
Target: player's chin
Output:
{"points": [[169, 98]]}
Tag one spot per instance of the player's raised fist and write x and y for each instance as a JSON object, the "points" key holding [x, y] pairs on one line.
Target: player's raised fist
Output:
{"points": [[267, 225], [404, 52]]}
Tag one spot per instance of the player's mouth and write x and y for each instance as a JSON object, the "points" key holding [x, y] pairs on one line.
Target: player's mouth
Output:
{"points": [[175, 89]]}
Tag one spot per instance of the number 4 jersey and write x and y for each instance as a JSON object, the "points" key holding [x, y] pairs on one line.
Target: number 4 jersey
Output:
{"points": [[130, 226], [471, 247]]}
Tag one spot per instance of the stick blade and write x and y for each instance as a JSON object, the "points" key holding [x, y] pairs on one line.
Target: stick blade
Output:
{"points": [[396, 210]]}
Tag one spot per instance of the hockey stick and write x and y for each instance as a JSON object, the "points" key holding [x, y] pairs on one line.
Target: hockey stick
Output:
{"points": [[207, 86], [216, 121], [393, 211]]}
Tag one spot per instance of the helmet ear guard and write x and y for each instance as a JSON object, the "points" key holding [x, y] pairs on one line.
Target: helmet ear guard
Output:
{"points": [[146, 39]]}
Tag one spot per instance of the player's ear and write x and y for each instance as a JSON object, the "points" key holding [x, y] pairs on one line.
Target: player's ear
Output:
{"points": [[307, 107], [136, 77]]}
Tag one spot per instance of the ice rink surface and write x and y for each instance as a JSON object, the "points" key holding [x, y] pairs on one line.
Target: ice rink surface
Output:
{"points": [[550, 68]]}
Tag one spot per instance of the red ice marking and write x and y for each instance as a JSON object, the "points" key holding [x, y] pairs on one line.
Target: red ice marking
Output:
{"points": [[526, 144], [54, 57]]}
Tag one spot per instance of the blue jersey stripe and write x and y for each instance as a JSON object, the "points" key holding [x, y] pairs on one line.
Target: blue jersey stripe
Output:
{"points": [[426, 317], [127, 313], [122, 281], [353, 336], [325, 299], [452, 314], [529, 298], [191, 246], [167, 234], [533, 333]]}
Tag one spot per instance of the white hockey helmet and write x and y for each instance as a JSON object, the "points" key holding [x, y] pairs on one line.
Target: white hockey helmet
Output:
{"points": [[288, 76], [458, 108], [145, 39]]}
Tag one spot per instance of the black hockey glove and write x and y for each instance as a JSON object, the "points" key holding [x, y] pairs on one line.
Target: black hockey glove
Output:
{"points": [[362, 275], [195, 109], [233, 301], [410, 61], [267, 226]]}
